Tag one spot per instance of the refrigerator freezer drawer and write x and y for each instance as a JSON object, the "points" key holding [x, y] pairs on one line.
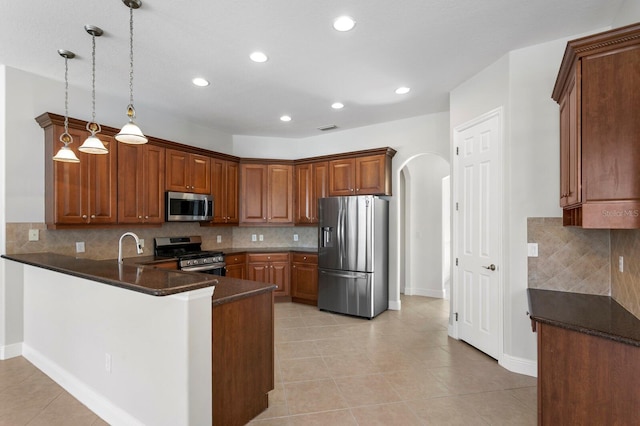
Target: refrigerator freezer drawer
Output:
{"points": [[353, 293]]}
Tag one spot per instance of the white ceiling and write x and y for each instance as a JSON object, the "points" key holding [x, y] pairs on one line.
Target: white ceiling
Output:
{"points": [[430, 45]]}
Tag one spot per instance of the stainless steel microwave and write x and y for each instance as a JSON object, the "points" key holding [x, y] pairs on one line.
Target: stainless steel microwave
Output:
{"points": [[188, 207]]}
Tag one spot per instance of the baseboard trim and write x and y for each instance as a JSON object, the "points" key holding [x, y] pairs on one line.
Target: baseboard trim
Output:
{"points": [[395, 305], [97, 403], [416, 291], [10, 351], [519, 365]]}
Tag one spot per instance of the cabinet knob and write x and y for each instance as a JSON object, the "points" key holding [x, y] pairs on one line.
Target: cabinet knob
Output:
{"points": [[146, 217], [93, 216], [351, 189], [357, 189], [264, 218], [139, 217], [84, 216], [305, 257]]}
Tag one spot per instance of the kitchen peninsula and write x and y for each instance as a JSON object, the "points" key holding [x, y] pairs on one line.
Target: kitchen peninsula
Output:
{"points": [[144, 345]]}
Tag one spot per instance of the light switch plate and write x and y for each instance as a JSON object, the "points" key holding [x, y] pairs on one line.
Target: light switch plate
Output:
{"points": [[295, 237], [261, 237], [80, 247], [219, 238], [34, 235], [532, 249], [254, 237], [621, 263]]}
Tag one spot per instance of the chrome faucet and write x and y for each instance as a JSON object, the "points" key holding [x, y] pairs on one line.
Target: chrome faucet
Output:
{"points": [[138, 246]]}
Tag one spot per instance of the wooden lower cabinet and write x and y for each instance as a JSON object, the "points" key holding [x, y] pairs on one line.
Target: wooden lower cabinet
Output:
{"points": [[304, 278], [242, 359], [270, 268], [236, 266], [585, 379]]}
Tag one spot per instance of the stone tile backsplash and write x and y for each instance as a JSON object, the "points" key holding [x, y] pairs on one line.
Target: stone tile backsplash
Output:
{"points": [[102, 244], [569, 259]]}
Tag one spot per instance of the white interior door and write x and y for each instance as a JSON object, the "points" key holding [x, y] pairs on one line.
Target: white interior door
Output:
{"points": [[478, 219]]}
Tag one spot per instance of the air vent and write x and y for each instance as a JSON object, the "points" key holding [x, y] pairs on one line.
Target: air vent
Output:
{"points": [[329, 127]]}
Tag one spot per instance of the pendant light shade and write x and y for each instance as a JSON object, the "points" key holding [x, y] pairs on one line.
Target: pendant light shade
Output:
{"points": [[66, 154], [130, 132], [93, 145]]}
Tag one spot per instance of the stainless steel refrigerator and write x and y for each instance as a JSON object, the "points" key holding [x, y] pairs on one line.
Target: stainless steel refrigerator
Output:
{"points": [[353, 255]]}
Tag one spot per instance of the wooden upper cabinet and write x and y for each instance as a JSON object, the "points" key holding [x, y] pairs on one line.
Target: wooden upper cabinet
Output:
{"points": [[224, 188], [598, 90], [266, 193], [311, 183], [365, 175], [188, 172], [82, 193], [141, 183]]}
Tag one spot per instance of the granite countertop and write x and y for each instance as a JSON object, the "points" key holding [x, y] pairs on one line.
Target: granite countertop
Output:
{"points": [[140, 278], [595, 315]]}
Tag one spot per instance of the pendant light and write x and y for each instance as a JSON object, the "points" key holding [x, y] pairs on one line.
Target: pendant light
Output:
{"points": [[93, 145], [66, 154], [130, 132]]}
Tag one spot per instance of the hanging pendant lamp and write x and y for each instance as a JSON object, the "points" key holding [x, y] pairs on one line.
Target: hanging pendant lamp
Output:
{"points": [[130, 132], [93, 145], [66, 154]]}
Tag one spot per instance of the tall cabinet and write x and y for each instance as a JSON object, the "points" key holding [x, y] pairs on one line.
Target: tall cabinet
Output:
{"points": [[598, 90], [224, 187], [266, 193], [83, 193]]}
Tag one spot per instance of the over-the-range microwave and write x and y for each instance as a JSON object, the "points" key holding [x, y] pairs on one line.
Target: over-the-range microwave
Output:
{"points": [[188, 207]]}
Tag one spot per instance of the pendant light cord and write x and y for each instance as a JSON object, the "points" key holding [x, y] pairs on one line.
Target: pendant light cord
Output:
{"points": [[66, 98], [131, 55], [93, 79]]}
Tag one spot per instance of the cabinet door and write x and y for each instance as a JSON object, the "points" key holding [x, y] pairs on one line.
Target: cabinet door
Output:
{"points": [[279, 275], [304, 281], [258, 271], [570, 152], [341, 177], [70, 182], [231, 202], [304, 194], [102, 183], [280, 194], [153, 161], [218, 185], [177, 168], [236, 271], [320, 187], [370, 175], [130, 182], [199, 174], [253, 205]]}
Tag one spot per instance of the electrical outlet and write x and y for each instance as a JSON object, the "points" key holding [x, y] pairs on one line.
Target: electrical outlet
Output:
{"points": [[261, 237], [219, 238], [141, 242], [532, 249], [621, 263], [34, 235], [107, 362], [254, 237], [295, 237], [80, 247]]}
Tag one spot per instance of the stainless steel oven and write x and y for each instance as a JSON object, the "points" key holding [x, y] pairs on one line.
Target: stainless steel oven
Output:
{"points": [[191, 257]]}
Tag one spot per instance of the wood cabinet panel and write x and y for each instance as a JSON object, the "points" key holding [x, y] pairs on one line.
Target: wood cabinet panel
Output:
{"points": [[280, 194], [584, 379], [188, 172], [311, 183], [304, 278], [370, 175], [141, 184], [342, 177], [266, 194], [365, 175], [224, 187], [253, 206], [270, 268], [236, 266]]}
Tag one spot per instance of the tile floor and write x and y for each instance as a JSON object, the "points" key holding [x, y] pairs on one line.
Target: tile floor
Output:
{"points": [[398, 369]]}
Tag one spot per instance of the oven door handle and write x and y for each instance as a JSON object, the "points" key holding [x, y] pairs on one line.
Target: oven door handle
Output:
{"points": [[204, 267]]}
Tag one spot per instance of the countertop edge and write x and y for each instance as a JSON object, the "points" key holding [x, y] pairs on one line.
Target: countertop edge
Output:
{"points": [[250, 293], [576, 324]]}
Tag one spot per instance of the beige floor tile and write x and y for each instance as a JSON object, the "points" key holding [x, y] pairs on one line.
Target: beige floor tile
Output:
{"points": [[333, 418], [350, 365], [313, 396], [452, 410], [65, 410], [291, 350], [386, 414], [501, 408], [416, 384], [303, 369], [366, 390], [528, 396]]}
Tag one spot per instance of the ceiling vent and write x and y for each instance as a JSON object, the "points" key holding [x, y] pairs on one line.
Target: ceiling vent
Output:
{"points": [[329, 127]]}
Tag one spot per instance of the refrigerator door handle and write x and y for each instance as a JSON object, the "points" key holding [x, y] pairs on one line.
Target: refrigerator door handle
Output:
{"points": [[344, 275], [326, 236]]}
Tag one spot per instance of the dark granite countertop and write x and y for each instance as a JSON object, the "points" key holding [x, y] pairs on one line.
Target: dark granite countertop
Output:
{"points": [[595, 315], [140, 278]]}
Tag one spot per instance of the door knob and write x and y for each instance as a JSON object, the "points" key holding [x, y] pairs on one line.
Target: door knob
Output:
{"points": [[491, 267]]}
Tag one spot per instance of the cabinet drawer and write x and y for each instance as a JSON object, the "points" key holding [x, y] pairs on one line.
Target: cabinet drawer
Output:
{"points": [[235, 259], [305, 258], [268, 257], [171, 264]]}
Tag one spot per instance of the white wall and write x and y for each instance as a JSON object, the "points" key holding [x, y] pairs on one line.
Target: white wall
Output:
{"points": [[409, 137], [629, 13]]}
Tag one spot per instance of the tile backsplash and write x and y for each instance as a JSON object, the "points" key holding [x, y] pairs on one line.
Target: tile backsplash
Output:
{"points": [[569, 259], [586, 261], [103, 243]]}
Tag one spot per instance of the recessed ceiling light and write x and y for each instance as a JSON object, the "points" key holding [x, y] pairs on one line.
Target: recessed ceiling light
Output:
{"points": [[200, 82], [403, 90], [344, 23], [285, 118], [337, 105], [258, 57]]}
